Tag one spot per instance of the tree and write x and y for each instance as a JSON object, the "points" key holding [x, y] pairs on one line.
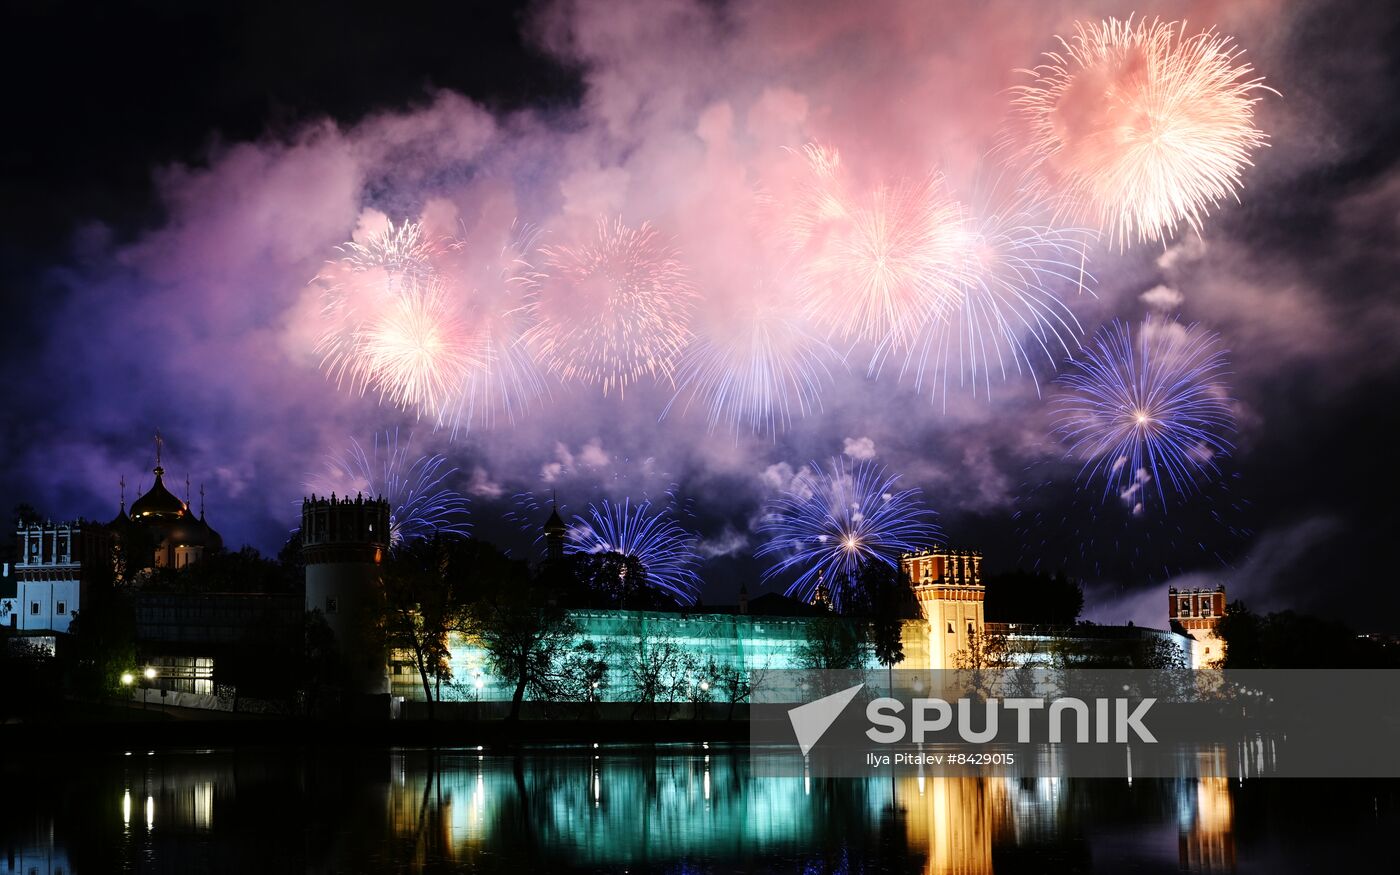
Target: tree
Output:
{"points": [[652, 669], [522, 628], [1037, 599], [582, 676], [986, 654], [611, 580], [737, 683], [244, 570], [1288, 639], [322, 669], [25, 515], [886, 597], [1240, 630], [104, 643], [833, 643], [423, 602]]}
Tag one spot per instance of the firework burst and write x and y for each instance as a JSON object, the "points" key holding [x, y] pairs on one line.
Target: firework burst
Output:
{"points": [[1145, 127], [1146, 412], [831, 521], [654, 539], [418, 352], [876, 267], [421, 503], [398, 251], [492, 294], [1010, 316], [614, 309], [759, 370], [433, 326]]}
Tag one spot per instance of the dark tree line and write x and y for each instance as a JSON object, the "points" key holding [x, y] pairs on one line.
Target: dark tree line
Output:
{"points": [[1288, 639], [1033, 598]]}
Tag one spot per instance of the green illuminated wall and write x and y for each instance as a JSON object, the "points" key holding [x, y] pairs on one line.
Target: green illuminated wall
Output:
{"points": [[748, 643]]}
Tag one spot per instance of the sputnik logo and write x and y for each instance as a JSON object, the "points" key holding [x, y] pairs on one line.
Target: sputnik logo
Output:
{"points": [[811, 721]]}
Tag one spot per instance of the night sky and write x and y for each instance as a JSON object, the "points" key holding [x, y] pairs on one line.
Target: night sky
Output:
{"points": [[174, 178]]}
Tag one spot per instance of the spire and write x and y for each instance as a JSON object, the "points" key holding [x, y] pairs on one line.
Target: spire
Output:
{"points": [[554, 533], [201, 502], [187, 490], [122, 481], [159, 443]]}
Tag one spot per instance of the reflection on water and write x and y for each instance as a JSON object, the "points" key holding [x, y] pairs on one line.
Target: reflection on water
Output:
{"points": [[670, 808]]}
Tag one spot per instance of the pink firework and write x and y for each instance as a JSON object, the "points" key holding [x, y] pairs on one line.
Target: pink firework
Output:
{"points": [[876, 266], [419, 351], [491, 287], [1142, 126], [614, 309]]}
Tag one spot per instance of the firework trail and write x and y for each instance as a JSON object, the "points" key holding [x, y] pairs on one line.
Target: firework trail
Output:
{"points": [[613, 309], [1065, 529], [663, 548], [831, 521], [1010, 315], [759, 371], [874, 267], [421, 504], [1147, 411], [1145, 127], [493, 295]]}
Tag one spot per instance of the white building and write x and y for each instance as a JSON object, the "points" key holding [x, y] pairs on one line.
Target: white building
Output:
{"points": [[48, 574]]}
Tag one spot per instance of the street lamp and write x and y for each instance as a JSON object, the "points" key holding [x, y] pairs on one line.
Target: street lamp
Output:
{"points": [[128, 678], [150, 673]]}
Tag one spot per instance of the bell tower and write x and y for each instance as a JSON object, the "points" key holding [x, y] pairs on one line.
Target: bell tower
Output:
{"points": [[948, 586]]}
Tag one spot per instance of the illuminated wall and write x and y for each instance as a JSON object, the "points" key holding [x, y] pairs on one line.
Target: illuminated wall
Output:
{"points": [[752, 644]]}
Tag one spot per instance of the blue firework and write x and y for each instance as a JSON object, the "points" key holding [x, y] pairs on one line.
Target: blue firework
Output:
{"points": [[1148, 413], [1010, 316], [654, 539], [421, 503], [831, 521]]}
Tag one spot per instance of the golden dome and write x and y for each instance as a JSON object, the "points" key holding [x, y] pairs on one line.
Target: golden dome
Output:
{"points": [[159, 504]]}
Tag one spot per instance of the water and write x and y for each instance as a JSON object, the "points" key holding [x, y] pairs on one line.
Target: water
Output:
{"points": [[682, 808]]}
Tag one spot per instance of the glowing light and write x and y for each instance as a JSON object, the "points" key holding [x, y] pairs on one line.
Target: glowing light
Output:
{"points": [[433, 326], [759, 368], [492, 288], [875, 266], [614, 309], [419, 352], [663, 548], [128, 678], [1141, 412], [421, 503], [1010, 316], [150, 674], [1145, 127], [832, 520]]}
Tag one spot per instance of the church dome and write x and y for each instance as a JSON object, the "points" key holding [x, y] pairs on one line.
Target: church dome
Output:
{"points": [[159, 504]]}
